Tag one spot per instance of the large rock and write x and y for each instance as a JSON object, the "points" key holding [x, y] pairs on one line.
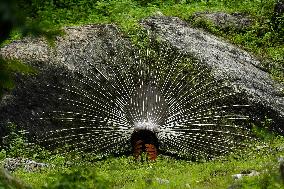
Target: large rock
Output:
{"points": [[86, 46], [227, 61], [78, 50], [236, 21]]}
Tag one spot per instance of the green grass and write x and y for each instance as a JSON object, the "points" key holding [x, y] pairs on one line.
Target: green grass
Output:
{"points": [[85, 170]]}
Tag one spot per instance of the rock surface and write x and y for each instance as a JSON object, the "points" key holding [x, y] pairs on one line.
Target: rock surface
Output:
{"points": [[11, 164], [226, 61], [77, 50], [86, 46], [251, 173], [223, 20]]}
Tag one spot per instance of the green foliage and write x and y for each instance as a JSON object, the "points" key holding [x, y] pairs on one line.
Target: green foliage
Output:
{"points": [[7, 181], [2, 155], [264, 132], [207, 25], [7, 70], [23, 16], [125, 172], [269, 179], [265, 37], [15, 145], [81, 179]]}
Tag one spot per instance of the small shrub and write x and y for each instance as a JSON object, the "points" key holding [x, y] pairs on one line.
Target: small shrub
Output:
{"points": [[79, 179], [15, 145]]}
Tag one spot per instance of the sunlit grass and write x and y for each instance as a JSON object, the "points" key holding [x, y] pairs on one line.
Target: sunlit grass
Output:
{"points": [[166, 172]]}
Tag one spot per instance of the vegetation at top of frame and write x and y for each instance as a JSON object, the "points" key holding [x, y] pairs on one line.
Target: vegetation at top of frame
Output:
{"points": [[264, 37], [18, 18]]}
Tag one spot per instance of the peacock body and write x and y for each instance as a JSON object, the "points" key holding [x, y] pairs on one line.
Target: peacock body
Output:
{"points": [[154, 101]]}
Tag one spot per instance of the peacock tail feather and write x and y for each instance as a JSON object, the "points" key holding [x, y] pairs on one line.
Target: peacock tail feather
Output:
{"points": [[156, 101]]}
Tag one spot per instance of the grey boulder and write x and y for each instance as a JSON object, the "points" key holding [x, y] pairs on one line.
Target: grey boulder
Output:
{"points": [[227, 61]]}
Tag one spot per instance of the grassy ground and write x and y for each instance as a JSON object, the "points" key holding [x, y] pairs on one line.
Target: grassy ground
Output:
{"points": [[84, 171]]}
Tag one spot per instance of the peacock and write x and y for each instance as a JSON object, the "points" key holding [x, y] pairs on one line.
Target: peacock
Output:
{"points": [[150, 101]]}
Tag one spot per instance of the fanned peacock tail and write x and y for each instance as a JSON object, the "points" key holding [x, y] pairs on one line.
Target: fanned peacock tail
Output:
{"points": [[157, 100]]}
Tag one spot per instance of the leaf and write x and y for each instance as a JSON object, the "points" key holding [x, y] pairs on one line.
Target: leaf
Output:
{"points": [[7, 69]]}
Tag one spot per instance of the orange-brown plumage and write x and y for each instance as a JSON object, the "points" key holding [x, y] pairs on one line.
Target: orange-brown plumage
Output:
{"points": [[144, 142], [151, 151]]}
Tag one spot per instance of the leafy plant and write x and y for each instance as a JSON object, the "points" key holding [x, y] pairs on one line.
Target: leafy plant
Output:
{"points": [[7, 181], [81, 179], [7, 69], [15, 145]]}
